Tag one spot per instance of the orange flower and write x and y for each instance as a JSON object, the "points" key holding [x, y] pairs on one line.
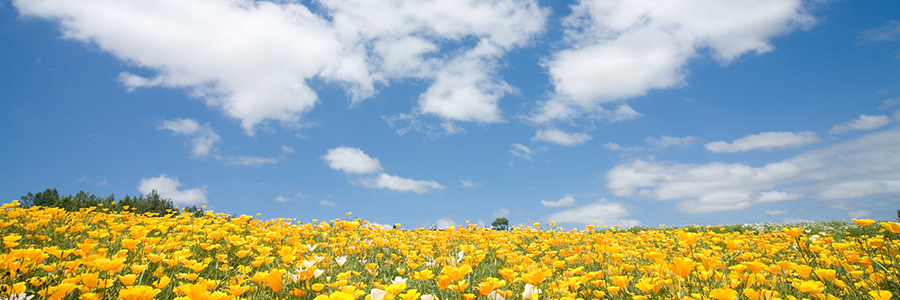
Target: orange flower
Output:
{"points": [[863, 222], [535, 277], [620, 281], [825, 274], [456, 273], [793, 232], [891, 226], [489, 284], [443, 281], [682, 266], [275, 281]]}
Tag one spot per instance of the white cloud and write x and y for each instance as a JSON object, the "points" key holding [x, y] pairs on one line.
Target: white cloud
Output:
{"points": [[888, 32], [603, 213], [522, 151], [500, 213], [669, 141], [443, 223], [888, 103], [327, 203], [866, 166], [776, 196], [857, 214], [351, 160], [467, 183], [272, 48], [775, 212], [252, 161], [401, 184], [765, 140], [621, 49], [863, 123], [287, 149], [568, 200], [282, 199], [561, 137], [203, 138], [167, 187]]}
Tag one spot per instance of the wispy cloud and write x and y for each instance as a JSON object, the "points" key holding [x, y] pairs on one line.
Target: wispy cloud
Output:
{"points": [[568, 200], [401, 184], [561, 137], [888, 32], [765, 140], [202, 137], [852, 169], [863, 123]]}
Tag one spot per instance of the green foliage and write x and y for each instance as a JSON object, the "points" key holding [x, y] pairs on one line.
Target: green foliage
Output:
{"points": [[152, 203], [500, 223]]}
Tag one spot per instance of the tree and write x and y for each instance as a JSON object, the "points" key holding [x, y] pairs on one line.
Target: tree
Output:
{"points": [[500, 223]]}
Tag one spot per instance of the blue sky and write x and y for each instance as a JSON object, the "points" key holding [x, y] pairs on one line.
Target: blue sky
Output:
{"points": [[441, 112]]}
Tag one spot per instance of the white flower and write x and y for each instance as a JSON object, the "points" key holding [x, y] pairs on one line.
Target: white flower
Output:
{"points": [[494, 296], [308, 263], [429, 297], [377, 294], [341, 260], [398, 280], [312, 247], [318, 273]]}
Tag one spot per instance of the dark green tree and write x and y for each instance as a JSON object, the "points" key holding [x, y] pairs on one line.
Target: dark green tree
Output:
{"points": [[46, 198], [500, 223]]}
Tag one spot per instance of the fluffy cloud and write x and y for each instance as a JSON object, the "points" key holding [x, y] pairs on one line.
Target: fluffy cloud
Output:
{"points": [[869, 165], [561, 137], [252, 59], [401, 184], [203, 138], [562, 202], [863, 123], [167, 187], [444, 223], [500, 213], [670, 141], [351, 160], [602, 212], [620, 49], [327, 203], [282, 199], [765, 140]]}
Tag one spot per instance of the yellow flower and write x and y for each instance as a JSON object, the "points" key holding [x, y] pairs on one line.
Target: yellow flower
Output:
{"points": [[723, 294], [682, 266], [825, 274], [891, 226], [537, 276], [141, 292], [881, 295], [863, 222], [411, 294], [423, 275], [812, 287], [456, 273], [274, 280], [127, 280]]}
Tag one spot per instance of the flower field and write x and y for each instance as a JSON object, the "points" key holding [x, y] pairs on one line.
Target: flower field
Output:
{"points": [[48, 253]]}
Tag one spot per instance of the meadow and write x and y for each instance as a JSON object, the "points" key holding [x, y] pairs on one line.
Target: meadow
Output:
{"points": [[98, 253]]}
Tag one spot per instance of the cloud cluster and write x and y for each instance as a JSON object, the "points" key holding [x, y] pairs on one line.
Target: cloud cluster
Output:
{"points": [[252, 59], [355, 161], [765, 140], [167, 188], [621, 49], [602, 213], [868, 165]]}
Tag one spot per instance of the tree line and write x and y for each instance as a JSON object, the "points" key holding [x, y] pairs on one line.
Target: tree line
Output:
{"points": [[152, 203]]}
